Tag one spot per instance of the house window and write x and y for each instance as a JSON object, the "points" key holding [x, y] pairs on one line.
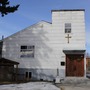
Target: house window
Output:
{"points": [[67, 27], [27, 51], [28, 75]]}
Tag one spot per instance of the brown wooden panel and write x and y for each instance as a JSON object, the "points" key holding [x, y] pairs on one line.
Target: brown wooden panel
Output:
{"points": [[74, 65]]}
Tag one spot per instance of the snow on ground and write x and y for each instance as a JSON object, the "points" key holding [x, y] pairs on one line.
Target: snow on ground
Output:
{"points": [[30, 86]]}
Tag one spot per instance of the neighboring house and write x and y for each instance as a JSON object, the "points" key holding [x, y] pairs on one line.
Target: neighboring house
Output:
{"points": [[88, 64], [47, 50], [7, 70], [1, 45]]}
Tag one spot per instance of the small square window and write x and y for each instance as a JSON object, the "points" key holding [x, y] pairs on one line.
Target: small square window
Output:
{"points": [[62, 63]]}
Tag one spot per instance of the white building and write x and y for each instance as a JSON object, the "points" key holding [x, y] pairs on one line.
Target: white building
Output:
{"points": [[46, 50]]}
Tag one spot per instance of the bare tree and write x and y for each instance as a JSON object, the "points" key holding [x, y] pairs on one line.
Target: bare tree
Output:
{"points": [[87, 55], [5, 8]]}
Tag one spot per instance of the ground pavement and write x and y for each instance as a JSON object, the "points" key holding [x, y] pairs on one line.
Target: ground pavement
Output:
{"points": [[74, 84], [74, 87]]}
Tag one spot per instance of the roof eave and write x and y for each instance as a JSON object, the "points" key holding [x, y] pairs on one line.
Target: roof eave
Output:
{"points": [[68, 10]]}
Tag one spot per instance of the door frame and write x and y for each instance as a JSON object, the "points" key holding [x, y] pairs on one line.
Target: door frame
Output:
{"points": [[78, 63]]}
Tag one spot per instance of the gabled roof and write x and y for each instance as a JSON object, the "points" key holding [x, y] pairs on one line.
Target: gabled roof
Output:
{"points": [[40, 22], [4, 61]]}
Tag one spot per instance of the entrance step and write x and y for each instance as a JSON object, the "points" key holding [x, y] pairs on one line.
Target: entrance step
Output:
{"points": [[75, 80]]}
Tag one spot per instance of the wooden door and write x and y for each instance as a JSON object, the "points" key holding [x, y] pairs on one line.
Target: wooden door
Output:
{"points": [[74, 65]]}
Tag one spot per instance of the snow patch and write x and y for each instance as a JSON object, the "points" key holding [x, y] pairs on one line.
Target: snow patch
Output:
{"points": [[30, 86]]}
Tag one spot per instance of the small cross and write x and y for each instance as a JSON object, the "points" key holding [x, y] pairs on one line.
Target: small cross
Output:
{"points": [[68, 37]]}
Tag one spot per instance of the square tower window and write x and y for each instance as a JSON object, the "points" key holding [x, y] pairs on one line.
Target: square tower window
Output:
{"points": [[67, 27]]}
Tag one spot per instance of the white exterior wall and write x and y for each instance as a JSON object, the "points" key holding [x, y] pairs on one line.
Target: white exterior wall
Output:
{"points": [[77, 40], [49, 40]]}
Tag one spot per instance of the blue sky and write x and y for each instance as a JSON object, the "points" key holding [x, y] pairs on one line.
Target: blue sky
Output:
{"points": [[32, 11]]}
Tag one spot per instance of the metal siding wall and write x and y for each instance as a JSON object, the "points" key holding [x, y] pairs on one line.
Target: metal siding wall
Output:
{"points": [[49, 41]]}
